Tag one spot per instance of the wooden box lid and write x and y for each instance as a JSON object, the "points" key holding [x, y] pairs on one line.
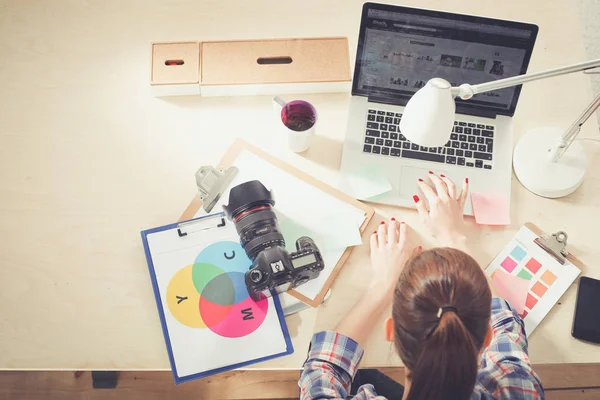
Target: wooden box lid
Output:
{"points": [[175, 63], [275, 61]]}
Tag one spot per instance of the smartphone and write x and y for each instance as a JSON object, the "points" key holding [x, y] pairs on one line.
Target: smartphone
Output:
{"points": [[586, 322]]}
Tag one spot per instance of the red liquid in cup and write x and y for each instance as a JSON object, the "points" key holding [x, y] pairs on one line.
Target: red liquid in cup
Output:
{"points": [[298, 115]]}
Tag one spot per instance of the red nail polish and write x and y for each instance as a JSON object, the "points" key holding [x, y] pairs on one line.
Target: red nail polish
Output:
{"points": [[402, 223], [375, 233], [442, 176], [467, 180], [420, 248], [382, 222], [430, 172], [416, 198], [393, 219], [420, 180]]}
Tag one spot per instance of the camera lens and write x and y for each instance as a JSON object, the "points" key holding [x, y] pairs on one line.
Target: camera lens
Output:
{"points": [[250, 209], [256, 276]]}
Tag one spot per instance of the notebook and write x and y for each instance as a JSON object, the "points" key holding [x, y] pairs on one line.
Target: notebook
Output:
{"points": [[209, 321], [547, 279]]}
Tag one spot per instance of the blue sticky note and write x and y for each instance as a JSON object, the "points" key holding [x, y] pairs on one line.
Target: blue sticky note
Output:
{"points": [[518, 253]]}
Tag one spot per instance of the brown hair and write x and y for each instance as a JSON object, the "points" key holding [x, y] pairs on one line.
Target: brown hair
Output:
{"points": [[441, 353]]}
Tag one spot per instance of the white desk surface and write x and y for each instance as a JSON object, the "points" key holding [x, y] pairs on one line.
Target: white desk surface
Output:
{"points": [[88, 158]]}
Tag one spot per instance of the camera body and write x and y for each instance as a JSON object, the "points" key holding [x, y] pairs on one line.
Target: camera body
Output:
{"points": [[273, 268]]}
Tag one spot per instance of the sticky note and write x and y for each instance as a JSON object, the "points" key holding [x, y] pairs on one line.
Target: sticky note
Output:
{"points": [[512, 289], [518, 253], [365, 182], [531, 301], [548, 278], [490, 208], [533, 265], [523, 314], [524, 274], [338, 232], [334, 232], [539, 289], [508, 264]]}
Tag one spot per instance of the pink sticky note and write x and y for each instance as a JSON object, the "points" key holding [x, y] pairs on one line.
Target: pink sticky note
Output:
{"points": [[490, 208], [511, 288]]}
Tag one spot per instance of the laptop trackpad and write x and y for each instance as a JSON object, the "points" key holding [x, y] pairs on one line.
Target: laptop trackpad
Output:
{"points": [[410, 176]]}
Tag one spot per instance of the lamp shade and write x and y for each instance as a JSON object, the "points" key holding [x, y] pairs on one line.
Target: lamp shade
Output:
{"points": [[429, 115]]}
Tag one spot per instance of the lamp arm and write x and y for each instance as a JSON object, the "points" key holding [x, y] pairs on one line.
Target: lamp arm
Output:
{"points": [[466, 91], [557, 151]]}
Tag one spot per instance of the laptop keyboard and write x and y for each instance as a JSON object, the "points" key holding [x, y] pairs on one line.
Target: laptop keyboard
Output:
{"points": [[470, 144]]}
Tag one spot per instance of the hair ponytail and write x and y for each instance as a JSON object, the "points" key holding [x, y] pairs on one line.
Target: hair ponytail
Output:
{"points": [[447, 366], [441, 349]]}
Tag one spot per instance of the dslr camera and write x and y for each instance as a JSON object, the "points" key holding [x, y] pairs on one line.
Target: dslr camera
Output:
{"points": [[273, 268]]}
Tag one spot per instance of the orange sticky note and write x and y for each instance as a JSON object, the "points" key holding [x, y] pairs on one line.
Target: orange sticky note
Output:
{"points": [[511, 288], [490, 208]]}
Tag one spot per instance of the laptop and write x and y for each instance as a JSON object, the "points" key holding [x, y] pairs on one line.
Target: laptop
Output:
{"points": [[399, 50]]}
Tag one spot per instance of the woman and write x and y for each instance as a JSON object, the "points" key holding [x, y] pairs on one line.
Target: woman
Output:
{"points": [[453, 344]]}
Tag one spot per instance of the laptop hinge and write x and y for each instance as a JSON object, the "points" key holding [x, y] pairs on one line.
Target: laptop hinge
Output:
{"points": [[459, 109], [388, 100], [475, 112]]}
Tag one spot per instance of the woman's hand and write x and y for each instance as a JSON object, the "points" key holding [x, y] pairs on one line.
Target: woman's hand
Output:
{"points": [[445, 216], [390, 249]]}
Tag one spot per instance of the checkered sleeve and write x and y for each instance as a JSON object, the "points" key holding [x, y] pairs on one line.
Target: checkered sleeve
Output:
{"points": [[506, 371], [330, 367]]}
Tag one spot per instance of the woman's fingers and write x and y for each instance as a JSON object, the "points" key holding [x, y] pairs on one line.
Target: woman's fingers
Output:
{"points": [[428, 191], [382, 234], [402, 235], [393, 232], [462, 199], [416, 251], [450, 185], [374, 241], [440, 186], [421, 208]]}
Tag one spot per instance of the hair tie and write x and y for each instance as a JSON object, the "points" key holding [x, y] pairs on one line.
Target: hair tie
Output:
{"points": [[444, 309]]}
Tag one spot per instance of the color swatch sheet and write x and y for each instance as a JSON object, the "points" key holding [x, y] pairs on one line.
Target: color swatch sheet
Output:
{"points": [[302, 210], [548, 279], [209, 321]]}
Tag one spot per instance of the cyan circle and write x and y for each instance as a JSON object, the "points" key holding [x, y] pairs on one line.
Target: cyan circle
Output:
{"points": [[227, 255]]}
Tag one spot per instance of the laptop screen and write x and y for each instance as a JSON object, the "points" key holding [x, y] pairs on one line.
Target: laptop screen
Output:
{"points": [[401, 48]]}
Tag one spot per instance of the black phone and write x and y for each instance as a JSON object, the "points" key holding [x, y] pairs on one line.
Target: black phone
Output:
{"points": [[586, 322]]}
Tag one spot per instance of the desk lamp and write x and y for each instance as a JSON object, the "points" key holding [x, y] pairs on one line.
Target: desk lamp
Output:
{"points": [[546, 161]]}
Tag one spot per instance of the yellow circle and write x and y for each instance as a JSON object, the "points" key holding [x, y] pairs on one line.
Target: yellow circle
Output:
{"points": [[183, 299]]}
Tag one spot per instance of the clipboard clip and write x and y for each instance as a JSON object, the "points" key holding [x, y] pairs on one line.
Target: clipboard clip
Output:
{"points": [[554, 245], [201, 224], [212, 183]]}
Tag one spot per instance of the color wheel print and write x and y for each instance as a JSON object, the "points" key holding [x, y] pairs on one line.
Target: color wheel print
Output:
{"points": [[212, 293]]}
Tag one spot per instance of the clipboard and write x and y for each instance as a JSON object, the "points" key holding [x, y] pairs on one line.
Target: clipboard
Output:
{"points": [[229, 159], [186, 231], [545, 268]]}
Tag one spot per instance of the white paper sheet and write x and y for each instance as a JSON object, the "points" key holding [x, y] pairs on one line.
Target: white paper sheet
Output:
{"points": [[199, 349], [334, 222]]}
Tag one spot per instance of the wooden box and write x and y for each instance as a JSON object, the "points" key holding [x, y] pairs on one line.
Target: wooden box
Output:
{"points": [[252, 67], [175, 69]]}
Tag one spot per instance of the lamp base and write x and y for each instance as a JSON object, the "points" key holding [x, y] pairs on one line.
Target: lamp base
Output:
{"points": [[538, 174]]}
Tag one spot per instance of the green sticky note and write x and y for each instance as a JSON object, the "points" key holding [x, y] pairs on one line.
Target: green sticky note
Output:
{"points": [[292, 230], [524, 274], [365, 182], [332, 232]]}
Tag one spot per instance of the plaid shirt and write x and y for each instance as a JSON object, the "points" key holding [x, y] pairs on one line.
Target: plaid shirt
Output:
{"points": [[505, 371]]}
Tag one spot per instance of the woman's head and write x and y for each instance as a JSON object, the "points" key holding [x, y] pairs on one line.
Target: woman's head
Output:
{"points": [[441, 353]]}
